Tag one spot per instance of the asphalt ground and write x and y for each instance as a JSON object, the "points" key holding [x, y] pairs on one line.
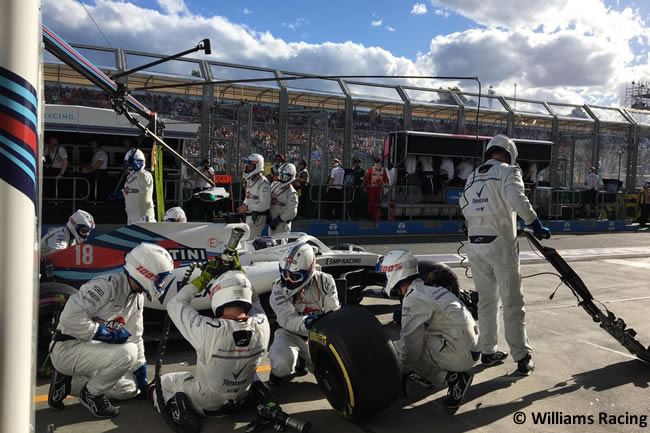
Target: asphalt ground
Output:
{"points": [[582, 374]]}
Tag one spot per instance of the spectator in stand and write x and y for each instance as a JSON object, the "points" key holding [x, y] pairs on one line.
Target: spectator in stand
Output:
{"points": [[376, 177], [335, 190], [644, 199], [220, 162], [96, 169], [275, 168], [301, 186], [56, 164], [592, 184], [199, 185], [465, 167]]}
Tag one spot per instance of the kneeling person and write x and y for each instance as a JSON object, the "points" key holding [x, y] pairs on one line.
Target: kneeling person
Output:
{"points": [[229, 348], [438, 332], [299, 297], [97, 346]]}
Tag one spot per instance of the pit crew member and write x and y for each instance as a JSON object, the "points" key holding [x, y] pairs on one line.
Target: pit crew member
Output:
{"points": [[284, 200], [75, 231], [258, 195]]}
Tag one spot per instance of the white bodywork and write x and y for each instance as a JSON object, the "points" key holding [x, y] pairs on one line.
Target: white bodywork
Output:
{"points": [[261, 266]]}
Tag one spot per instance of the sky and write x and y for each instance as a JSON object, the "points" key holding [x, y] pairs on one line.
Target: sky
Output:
{"points": [[572, 51]]}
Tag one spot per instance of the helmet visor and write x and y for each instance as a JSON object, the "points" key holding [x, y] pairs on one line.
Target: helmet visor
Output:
{"points": [[83, 231], [294, 277], [159, 281]]}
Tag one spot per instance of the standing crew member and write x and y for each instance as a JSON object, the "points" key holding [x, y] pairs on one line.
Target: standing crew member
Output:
{"points": [[228, 348], [138, 189], [376, 177], [75, 231], [299, 297], [275, 168], [438, 332], [301, 186], [335, 190], [97, 350], [258, 195], [492, 200], [284, 200]]}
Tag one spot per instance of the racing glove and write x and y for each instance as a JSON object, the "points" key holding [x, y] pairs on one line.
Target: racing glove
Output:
{"points": [[141, 379], [275, 222], [228, 260], [111, 336], [311, 318], [539, 230]]}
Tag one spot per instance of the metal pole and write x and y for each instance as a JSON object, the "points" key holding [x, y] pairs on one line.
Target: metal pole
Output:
{"points": [[20, 39]]}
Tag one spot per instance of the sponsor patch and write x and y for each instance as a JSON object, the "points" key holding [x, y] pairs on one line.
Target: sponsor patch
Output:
{"points": [[318, 338], [242, 338]]}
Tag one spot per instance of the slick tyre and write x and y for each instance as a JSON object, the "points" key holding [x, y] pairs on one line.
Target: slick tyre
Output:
{"points": [[355, 362], [51, 300]]}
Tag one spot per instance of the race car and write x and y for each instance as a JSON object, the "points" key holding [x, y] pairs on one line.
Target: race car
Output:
{"points": [[190, 243]]}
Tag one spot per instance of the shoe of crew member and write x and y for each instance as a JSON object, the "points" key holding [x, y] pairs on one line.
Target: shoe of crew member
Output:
{"points": [[60, 386], [459, 384], [98, 405], [495, 358], [525, 366]]}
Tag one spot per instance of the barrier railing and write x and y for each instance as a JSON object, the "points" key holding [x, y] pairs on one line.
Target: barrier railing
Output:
{"points": [[323, 188], [47, 187]]}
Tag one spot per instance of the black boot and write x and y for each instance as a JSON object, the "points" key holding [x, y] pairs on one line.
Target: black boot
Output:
{"points": [[98, 405], [459, 384], [60, 385], [180, 414]]}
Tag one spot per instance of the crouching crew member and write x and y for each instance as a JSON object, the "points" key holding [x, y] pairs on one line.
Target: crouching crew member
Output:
{"points": [[284, 200], [228, 348], [258, 195], [75, 231], [97, 350], [438, 333], [299, 297]]}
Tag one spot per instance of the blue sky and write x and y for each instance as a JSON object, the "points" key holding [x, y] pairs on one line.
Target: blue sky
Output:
{"points": [[556, 50]]}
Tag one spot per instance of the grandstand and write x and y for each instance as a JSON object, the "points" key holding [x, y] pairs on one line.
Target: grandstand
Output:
{"points": [[320, 119]]}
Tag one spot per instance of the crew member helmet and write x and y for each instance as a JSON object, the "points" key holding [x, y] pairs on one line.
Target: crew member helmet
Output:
{"points": [[149, 264]]}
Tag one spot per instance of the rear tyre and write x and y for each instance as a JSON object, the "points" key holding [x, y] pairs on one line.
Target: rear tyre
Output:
{"points": [[355, 362], [51, 300]]}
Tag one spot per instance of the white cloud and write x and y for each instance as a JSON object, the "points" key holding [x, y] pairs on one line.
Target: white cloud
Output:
{"points": [[376, 23], [576, 56], [173, 7], [247, 11], [419, 9], [390, 29], [299, 22], [441, 12]]}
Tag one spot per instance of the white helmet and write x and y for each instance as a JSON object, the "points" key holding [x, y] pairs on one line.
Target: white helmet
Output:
{"points": [[134, 159], [175, 214], [502, 142], [149, 264], [229, 287], [398, 265], [297, 268], [257, 161], [80, 224], [287, 173]]}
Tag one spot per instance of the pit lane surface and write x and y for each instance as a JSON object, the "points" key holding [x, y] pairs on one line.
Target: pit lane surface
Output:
{"points": [[581, 370]]}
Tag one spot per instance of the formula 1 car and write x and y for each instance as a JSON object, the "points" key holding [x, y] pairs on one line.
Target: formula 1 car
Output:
{"points": [[190, 243]]}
